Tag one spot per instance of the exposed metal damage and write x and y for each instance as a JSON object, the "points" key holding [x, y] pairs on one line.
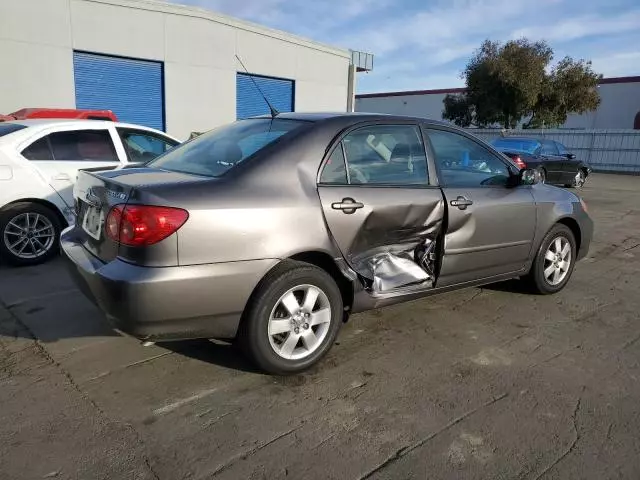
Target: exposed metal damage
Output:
{"points": [[410, 261]]}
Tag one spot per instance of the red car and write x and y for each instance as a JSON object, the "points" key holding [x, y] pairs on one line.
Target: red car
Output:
{"points": [[71, 113]]}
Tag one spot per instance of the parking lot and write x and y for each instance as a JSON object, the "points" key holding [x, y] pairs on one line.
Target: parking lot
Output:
{"points": [[482, 383]]}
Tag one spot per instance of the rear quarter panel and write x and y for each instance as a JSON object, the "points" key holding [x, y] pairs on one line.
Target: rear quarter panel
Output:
{"points": [[20, 181], [266, 209]]}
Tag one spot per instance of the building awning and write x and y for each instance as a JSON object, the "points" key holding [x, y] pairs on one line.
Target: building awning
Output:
{"points": [[362, 61]]}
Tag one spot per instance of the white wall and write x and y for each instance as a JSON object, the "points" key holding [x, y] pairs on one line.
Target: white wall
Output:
{"points": [[620, 102], [198, 48], [427, 106]]}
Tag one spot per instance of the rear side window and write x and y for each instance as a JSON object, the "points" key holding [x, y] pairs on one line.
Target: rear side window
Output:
{"points": [[7, 128], [214, 153], [143, 147], [386, 155], [77, 145], [38, 150], [549, 148], [334, 171]]}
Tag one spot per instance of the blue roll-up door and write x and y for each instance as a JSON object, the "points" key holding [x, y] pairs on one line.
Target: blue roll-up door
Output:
{"points": [[249, 101], [132, 89]]}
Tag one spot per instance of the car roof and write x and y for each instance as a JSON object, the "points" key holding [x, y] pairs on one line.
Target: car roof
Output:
{"points": [[71, 122], [79, 123], [319, 116], [533, 139]]}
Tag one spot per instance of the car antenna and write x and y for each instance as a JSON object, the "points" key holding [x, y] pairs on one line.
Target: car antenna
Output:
{"points": [[272, 109]]}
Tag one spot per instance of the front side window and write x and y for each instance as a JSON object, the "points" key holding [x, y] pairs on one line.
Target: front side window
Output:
{"points": [[214, 153], [465, 163], [561, 149], [143, 147], [76, 145], [386, 155], [549, 148]]}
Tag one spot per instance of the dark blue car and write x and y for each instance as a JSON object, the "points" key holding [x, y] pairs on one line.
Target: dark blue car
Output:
{"points": [[555, 164]]}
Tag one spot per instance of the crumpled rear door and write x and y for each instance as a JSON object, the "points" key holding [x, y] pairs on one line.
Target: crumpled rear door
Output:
{"points": [[389, 235], [380, 208]]}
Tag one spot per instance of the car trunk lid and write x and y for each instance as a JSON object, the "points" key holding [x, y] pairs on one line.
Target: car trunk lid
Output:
{"points": [[97, 192]]}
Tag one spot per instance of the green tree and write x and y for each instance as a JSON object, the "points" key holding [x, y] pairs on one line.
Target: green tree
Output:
{"points": [[511, 81], [571, 87]]}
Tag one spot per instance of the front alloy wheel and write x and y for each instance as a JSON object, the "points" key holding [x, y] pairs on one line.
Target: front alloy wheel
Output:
{"points": [[554, 262], [293, 318], [557, 261]]}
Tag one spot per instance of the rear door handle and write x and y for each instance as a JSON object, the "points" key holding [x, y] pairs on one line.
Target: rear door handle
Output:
{"points": [[347, 205], [62, 176], [461, 202]]}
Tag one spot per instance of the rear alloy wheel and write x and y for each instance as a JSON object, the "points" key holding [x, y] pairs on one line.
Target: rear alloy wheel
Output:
{"points": [[554, 262], [29, 234], [293, 319]]}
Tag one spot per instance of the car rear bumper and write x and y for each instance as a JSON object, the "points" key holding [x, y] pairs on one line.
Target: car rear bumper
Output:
{"points": [[166, 303]]}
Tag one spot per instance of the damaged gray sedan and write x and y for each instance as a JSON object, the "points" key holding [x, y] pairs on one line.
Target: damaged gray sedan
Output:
{"points": [[272, 231]]}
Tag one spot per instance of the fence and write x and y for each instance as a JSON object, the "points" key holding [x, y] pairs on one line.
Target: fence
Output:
{"points": [[604, 150]]}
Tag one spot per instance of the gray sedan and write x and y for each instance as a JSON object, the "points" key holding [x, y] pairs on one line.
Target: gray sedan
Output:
{"points": [[274, 230]]}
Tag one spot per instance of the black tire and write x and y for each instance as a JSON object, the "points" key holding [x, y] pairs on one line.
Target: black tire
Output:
{"points": [[254, 336], [12, 212], [536, 278]]}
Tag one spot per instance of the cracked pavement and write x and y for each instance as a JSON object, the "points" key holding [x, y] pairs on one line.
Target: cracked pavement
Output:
{"points": [[475, 384]]}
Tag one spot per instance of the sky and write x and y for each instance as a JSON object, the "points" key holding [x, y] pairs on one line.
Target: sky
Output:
{"points": [[425, 44]]}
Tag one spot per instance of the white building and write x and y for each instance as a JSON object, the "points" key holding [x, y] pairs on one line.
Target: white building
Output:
{"points": [[619, 107], [163, 65]]}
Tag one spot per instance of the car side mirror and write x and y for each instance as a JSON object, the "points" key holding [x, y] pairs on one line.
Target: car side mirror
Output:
{"points": [[571, 156], [529, 176]]}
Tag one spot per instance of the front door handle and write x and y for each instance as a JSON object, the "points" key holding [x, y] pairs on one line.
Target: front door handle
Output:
{"points": [[461, 202], [62, 176], [347, 205]]}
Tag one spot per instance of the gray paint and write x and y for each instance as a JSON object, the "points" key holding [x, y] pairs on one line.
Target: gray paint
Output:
{"points": [[270, 208]]}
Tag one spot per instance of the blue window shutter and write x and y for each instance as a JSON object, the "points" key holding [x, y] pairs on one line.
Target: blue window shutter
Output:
{"points": [[249, 101], [132, 89]]}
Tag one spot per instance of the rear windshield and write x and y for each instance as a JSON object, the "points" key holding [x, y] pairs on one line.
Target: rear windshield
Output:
{"points": [[7, 128], [516, 144], [214, 153]]}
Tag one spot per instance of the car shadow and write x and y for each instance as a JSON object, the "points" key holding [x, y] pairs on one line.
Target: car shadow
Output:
{"points": [[216, 352], [510, 286]]}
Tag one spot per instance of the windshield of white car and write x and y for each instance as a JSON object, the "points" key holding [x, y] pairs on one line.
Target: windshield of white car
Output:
{"points": [[523, 145], [7, 128], [214, 153]]}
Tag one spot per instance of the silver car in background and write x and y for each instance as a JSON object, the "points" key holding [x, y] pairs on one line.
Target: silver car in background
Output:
{"points": [[274, 230]]}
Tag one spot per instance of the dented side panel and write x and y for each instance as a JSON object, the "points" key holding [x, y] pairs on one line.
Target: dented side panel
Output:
{"points": [[390, 240]]}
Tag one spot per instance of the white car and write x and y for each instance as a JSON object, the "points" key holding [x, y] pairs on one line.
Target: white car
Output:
{"points": [[39, 161]]}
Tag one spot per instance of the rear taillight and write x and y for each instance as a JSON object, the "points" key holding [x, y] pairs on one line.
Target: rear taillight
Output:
{"points": [[143, 225], [518, 161]]}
